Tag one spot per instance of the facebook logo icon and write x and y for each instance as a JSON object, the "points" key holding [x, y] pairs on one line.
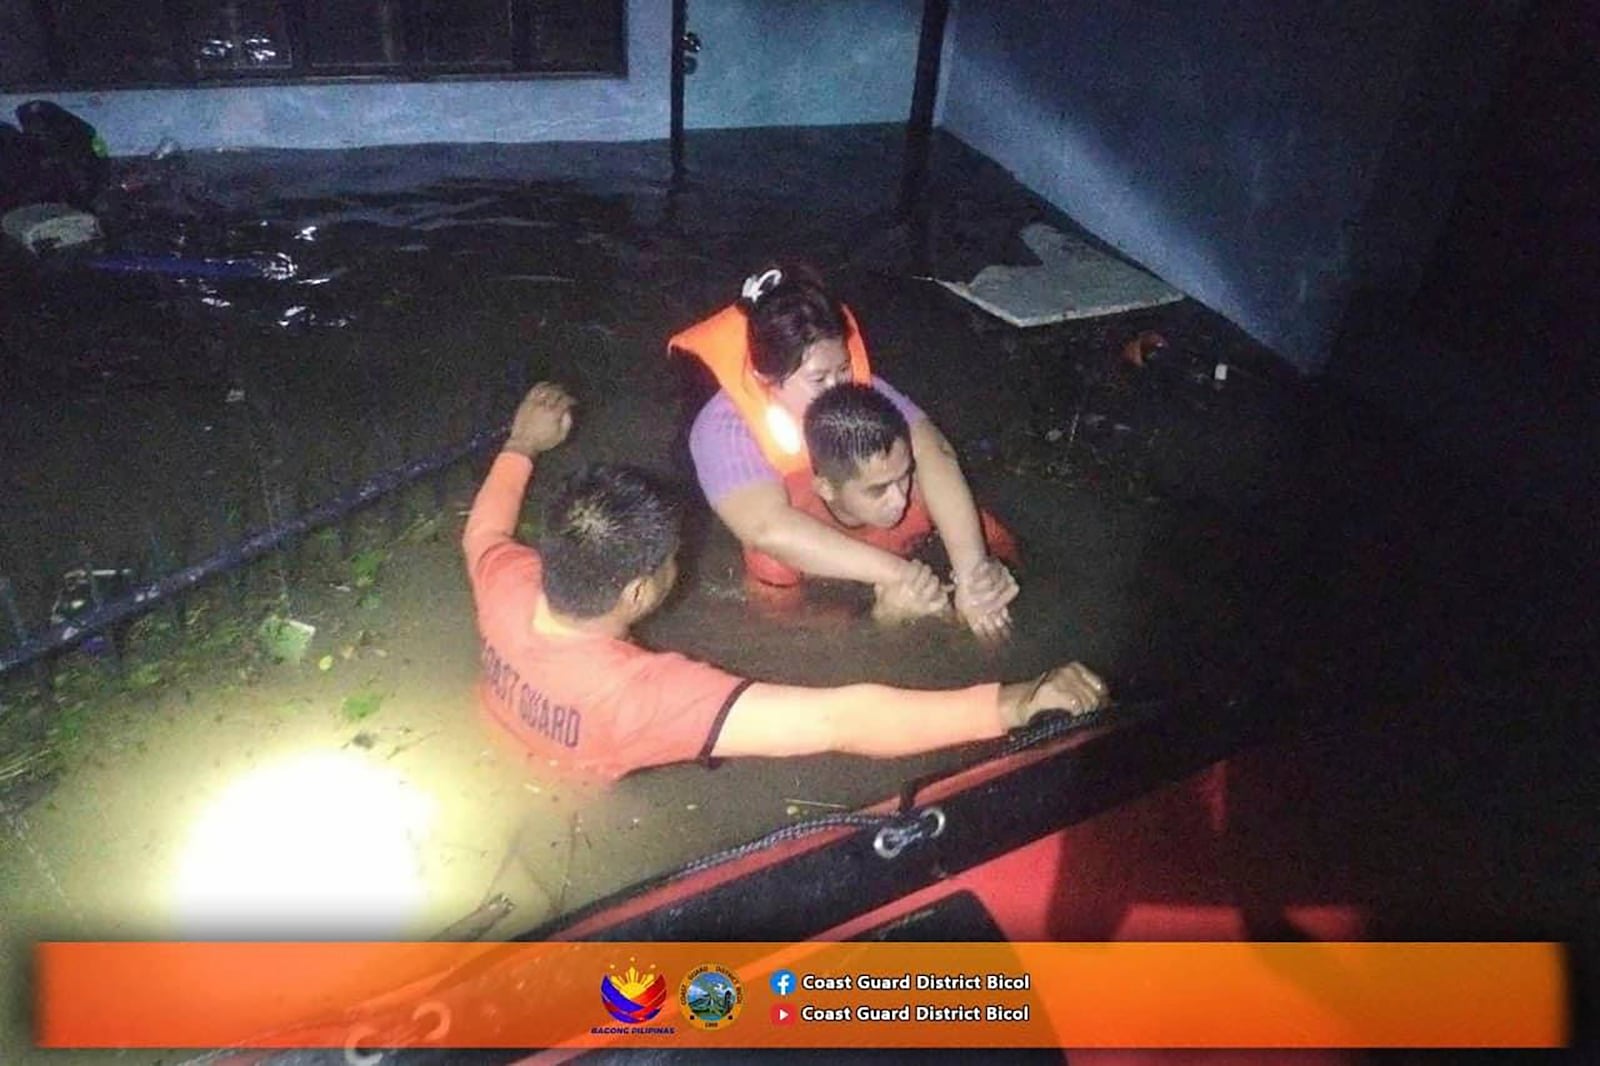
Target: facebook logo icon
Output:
{"points": [[782, 982]]}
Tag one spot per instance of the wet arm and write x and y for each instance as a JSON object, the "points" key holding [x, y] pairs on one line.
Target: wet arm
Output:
{"points": [[493, 519], [874, 720], [760, 516], [949, 500]]}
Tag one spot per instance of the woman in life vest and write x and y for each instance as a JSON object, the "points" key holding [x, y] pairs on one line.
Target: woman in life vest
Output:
{"points": [[786, 341]]}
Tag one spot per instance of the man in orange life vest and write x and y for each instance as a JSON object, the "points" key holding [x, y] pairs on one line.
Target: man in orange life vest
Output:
{"points": [[784, 343], [564, 681]]}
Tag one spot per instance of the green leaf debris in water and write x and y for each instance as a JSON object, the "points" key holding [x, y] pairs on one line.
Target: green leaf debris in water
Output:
{"points": [[362, 705], [285, 639], [364, 566], [145, 675], [424, 528]]}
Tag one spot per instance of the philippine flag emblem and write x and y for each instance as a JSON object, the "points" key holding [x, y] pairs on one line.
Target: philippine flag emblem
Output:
{"points": [[633, 997]]}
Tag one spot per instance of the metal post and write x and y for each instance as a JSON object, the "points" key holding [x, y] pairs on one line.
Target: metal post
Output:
{"points": [[924, 99], [394, 456], [161, 564], [112, 635], [231, 530], [680, 30]]}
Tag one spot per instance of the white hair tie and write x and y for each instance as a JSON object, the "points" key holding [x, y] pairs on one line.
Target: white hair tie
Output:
{"points": [[758, 285]]}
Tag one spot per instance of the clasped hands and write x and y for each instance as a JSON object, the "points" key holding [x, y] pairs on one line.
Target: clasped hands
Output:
{"points": [[980, 596]]}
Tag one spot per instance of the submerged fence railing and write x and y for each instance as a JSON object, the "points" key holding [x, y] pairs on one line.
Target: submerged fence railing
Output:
{"points": [[35, 646]]}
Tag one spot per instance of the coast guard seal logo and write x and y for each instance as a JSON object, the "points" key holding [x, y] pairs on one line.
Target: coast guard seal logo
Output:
{"points": [[711, 997]]}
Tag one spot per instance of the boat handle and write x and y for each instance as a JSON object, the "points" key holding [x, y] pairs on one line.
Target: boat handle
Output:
{"points": [[893, 839]]}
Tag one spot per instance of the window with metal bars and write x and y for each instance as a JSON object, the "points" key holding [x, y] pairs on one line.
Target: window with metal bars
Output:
{"points": [[81, 44]]}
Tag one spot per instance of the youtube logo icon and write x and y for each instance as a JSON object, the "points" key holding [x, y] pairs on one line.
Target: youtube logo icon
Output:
{"points": [[783, 1014]]}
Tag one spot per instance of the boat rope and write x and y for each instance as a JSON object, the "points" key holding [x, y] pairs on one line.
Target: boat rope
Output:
{"points": [[1049, 726], [908, 825], [1044, 727], [896, 832]]}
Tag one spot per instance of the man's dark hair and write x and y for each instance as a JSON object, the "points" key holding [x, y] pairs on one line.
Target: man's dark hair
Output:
{"points": [[788, 318], [608, 525], [849, 424]]}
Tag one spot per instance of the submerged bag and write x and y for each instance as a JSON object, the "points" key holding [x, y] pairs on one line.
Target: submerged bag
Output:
{"points": [[71, 159]]}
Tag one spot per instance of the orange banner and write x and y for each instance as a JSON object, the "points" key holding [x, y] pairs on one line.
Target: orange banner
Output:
{"points": [[1122, 995]]}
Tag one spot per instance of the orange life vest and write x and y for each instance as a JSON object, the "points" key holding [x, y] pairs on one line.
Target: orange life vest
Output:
{"points": [[722, 343]]}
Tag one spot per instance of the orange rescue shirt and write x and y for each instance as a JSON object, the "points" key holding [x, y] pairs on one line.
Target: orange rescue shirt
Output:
{"points": [[590, 702]]}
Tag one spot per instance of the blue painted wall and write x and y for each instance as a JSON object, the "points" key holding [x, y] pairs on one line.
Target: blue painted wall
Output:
{"points": [[1269, 158], [765, 63], [346, 115], [787, 63]]}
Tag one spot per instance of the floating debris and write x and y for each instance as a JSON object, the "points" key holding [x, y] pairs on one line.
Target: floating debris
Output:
{"points": [[81, 592], [1073, 280], [34, 762], [536, 279], [815, 803], [362, 705], [478, 922], [1141, 347], [285, 639]]}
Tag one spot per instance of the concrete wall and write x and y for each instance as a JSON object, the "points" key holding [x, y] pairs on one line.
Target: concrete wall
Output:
{"points": [[765, 63], [1267, 157], [347, 115], [786, 63]]}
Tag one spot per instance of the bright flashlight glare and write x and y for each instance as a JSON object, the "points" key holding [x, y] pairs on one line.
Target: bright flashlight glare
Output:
{"points": [[321, 847]]}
